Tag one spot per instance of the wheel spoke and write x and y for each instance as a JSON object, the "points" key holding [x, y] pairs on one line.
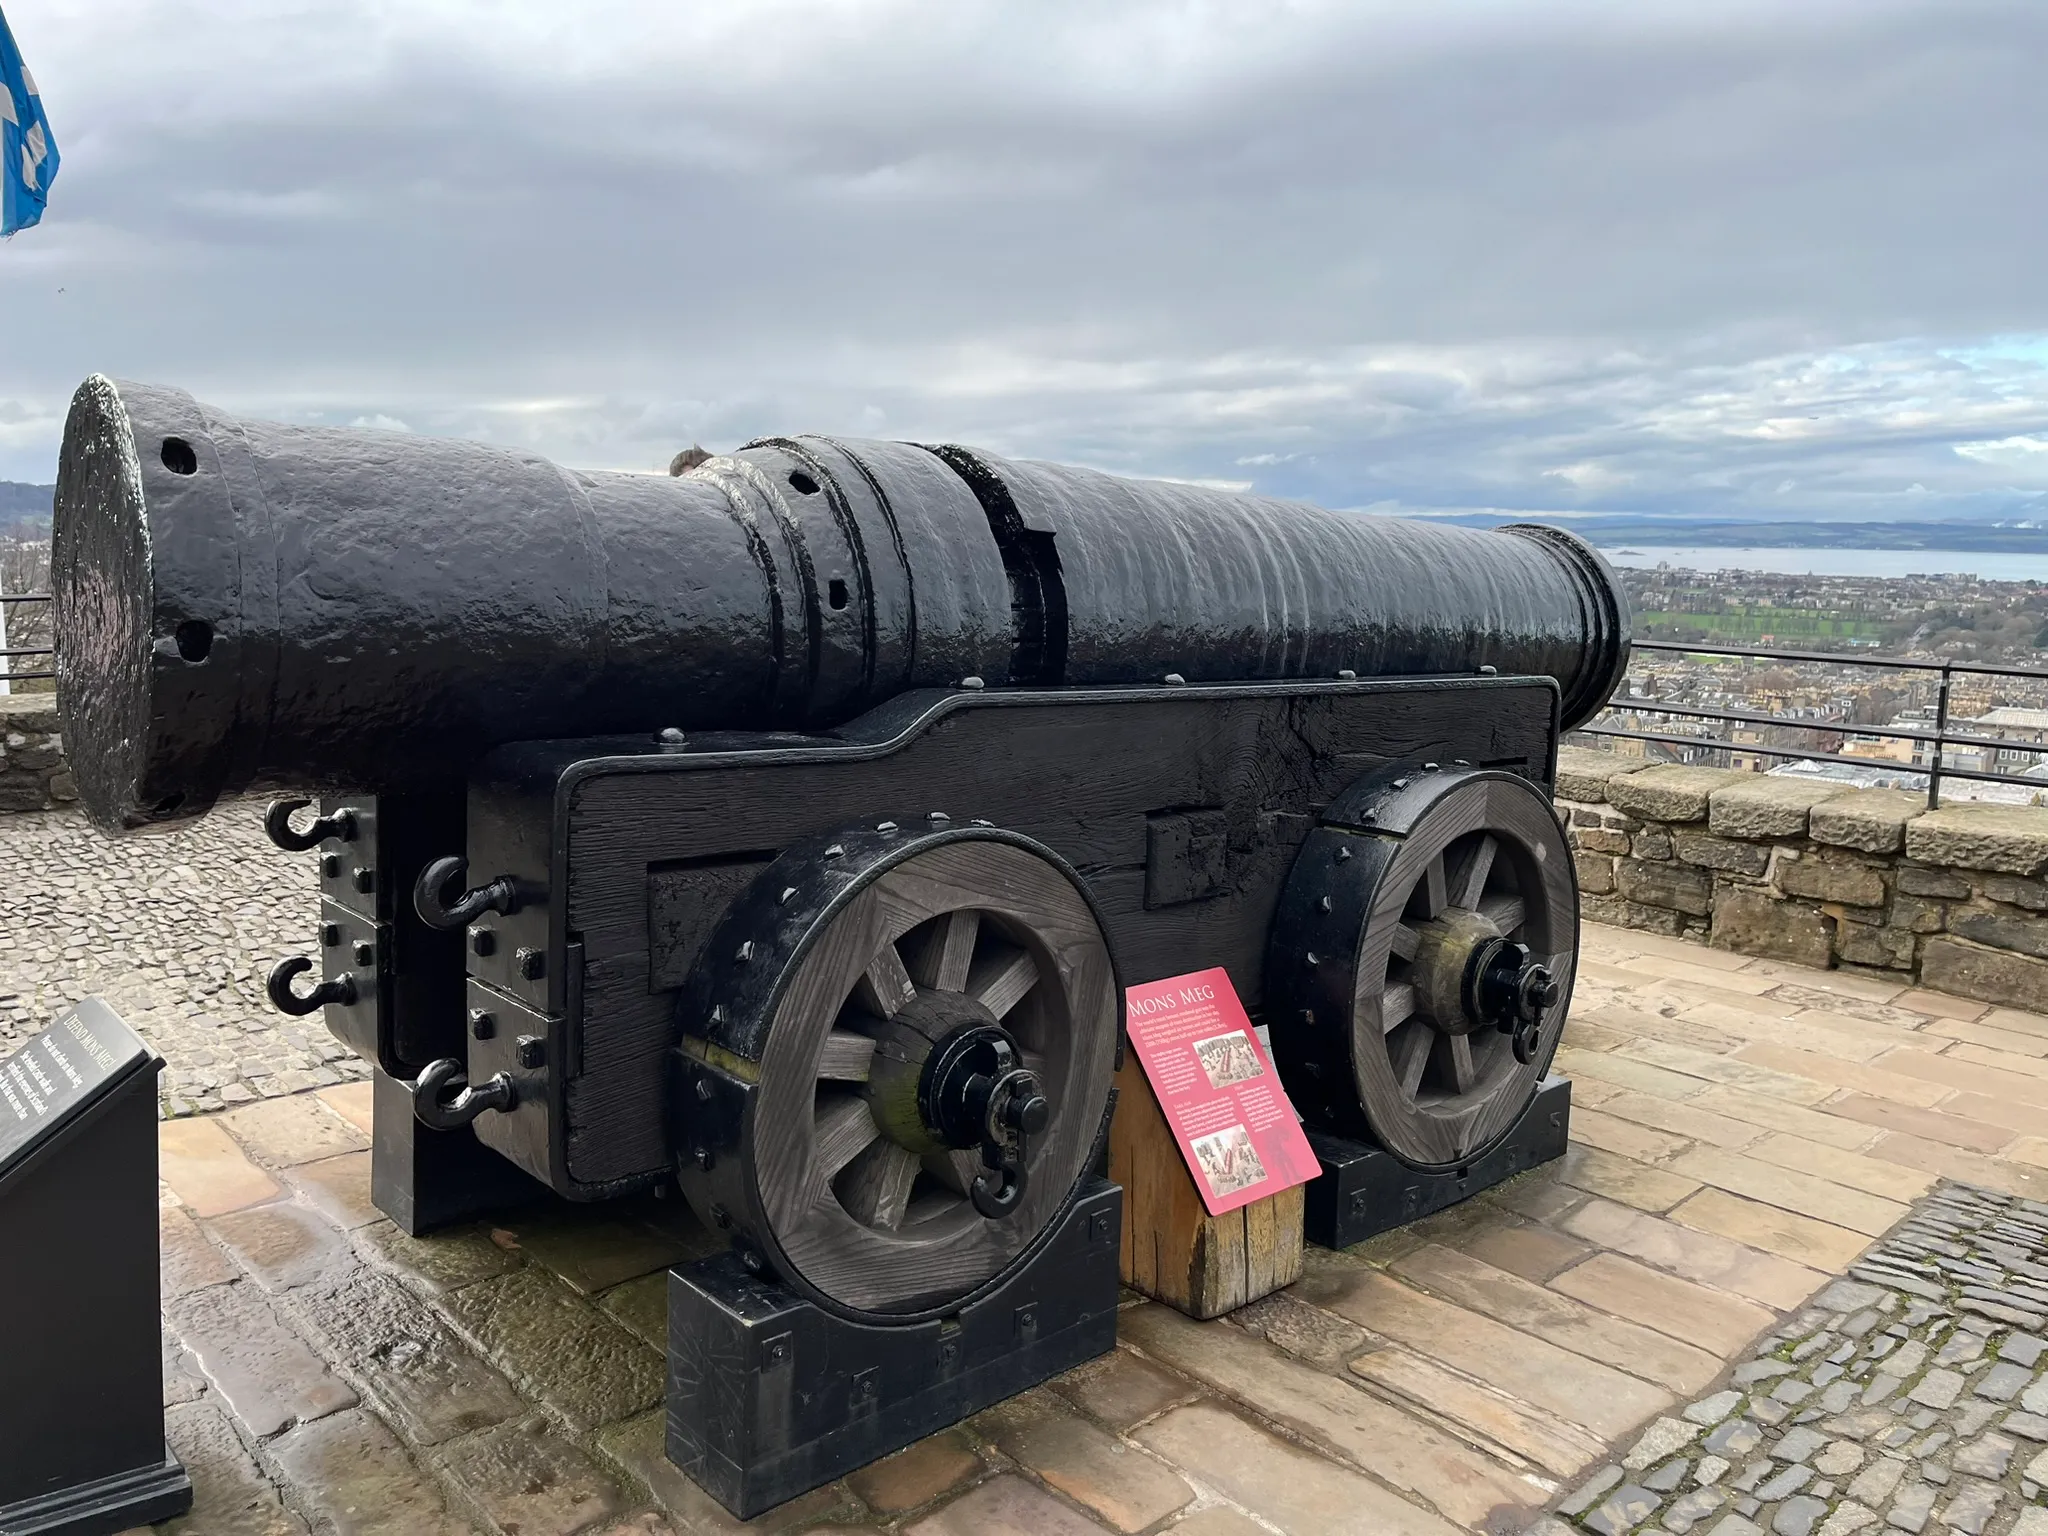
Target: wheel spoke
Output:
{"points": [[885, 986], [1410, 1054], [1406, 942], [845, 1057], [1457, 1067], [999, 982], [955, 1170], [1430, 893], [841, 1130], [946, 954], [876, 1188], [928, 1203], [1504, 912], [1470, 884], [1397, 1005]]}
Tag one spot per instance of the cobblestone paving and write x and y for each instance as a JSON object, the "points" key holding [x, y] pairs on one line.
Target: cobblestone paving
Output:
{"points": [[177, 932], [1914, 1394]]}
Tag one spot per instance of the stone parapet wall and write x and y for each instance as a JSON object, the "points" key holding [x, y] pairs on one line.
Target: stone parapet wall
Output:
{"points": [[33, 773], [1815, 873]]}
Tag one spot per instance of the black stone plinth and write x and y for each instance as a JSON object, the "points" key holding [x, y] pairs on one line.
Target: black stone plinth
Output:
{"points": [[82, 1448], [769, 1395], [423, 1178], [1364, 1190]]}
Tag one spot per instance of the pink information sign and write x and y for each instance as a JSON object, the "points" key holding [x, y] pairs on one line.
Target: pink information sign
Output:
{"points": [[1218, 1089]]}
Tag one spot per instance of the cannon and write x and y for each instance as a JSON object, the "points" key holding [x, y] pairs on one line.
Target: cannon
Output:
{"points": [[783, 832]]}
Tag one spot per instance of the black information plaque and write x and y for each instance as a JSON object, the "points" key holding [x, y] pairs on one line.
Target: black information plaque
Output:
{"points": [[82, 1449]]}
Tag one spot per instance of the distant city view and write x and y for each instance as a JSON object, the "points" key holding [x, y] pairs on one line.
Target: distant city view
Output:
{"points": [[1805, 561], [1744, 706]]}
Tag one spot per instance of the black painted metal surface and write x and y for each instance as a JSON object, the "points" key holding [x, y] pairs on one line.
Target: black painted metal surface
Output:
{"points": [[246, 605], [1365, 1190], [769, 1395]]}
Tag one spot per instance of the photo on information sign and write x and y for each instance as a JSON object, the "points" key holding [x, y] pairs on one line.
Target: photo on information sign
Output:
{"points": [[1228, 1058]]}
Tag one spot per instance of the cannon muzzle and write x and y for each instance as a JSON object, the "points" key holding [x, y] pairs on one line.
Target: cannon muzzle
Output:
{"points": [[246, 605]]}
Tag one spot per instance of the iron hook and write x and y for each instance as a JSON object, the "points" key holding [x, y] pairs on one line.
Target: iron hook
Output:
{"points": [[277, 822], [342, 989], [1018, 1113], [501, 895], [437, 1077]]}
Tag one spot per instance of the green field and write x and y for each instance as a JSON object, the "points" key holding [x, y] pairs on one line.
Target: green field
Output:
{"points": [[1752, 623]]}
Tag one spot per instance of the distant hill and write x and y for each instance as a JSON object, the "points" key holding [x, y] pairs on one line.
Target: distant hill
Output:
{"points": [[25, 510], [1612, 532]]}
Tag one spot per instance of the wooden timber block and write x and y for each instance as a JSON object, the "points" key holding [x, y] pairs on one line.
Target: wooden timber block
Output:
{"points": [[1173, 1249]]}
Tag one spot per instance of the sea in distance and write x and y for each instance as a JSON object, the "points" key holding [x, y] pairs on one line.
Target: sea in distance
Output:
{"points": [[1986, 565]]}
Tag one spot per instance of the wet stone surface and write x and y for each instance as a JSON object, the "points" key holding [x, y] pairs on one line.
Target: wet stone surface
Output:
{"points": [[1911, 1396], [177, 932]]}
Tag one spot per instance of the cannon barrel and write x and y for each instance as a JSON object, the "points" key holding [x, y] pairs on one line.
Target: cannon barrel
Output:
{"points": [[246, 605]]}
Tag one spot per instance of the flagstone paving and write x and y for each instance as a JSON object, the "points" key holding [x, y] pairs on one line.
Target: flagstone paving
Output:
{"points": [[1689, 1286]]}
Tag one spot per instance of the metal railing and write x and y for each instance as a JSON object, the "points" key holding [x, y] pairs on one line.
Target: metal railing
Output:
{"points": [[1938, 740], [8, 656]]}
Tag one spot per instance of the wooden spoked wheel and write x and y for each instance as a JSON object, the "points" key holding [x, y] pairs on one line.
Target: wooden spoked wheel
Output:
{"points": [[943, 942], [1445, 893]]}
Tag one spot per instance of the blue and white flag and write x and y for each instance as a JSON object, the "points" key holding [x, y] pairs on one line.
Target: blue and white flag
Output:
{"points": [[28, 155]]}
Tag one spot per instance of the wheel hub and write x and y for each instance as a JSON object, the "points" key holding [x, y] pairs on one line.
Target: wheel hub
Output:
{"points": [[976, 1092], [1507, 989], [974, 1086], [937, 1085], [1446, 950]]}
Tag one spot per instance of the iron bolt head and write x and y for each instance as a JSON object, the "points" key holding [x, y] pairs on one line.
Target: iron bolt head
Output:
{"points": [[482, 1023], [364, 880], [482, 941], [532, 1051], [366, 954], [703, 1157], [330, 935], [330, 866], [531, 963], [669, 736]]}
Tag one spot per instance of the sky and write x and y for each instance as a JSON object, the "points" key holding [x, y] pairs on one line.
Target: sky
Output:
{"points": [[1735, 258]]}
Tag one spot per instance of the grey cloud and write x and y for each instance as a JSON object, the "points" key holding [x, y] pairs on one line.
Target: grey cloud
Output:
{"points": [[1573, 257]]}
